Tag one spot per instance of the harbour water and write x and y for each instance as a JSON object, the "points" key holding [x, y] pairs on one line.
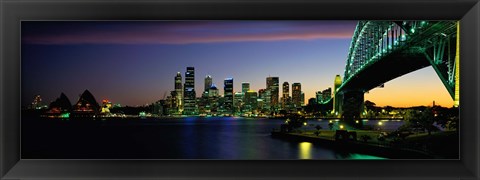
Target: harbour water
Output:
{"points": [[172, 138]]}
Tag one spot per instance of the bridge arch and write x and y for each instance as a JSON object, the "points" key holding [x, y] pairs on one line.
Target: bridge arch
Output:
{"points": [[384, 50]]}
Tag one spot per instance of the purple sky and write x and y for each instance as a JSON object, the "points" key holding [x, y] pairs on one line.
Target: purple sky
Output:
{"points": [[134, 62]]}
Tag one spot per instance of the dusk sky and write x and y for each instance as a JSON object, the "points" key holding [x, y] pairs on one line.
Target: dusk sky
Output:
{"points": [[135, 62]]}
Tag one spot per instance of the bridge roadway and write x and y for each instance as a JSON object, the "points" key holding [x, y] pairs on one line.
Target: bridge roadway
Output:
{"points": [[432, 45]]}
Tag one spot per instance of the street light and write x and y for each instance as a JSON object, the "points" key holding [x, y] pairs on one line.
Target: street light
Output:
{"points": [[341, 127], [305, 125]]}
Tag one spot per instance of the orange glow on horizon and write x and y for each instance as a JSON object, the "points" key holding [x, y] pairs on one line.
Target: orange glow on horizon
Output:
{"points": [[419, 88]]}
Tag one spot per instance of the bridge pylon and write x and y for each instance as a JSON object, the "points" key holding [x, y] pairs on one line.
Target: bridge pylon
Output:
{"points": [[381, 51], [352, 107], [337, 97]]}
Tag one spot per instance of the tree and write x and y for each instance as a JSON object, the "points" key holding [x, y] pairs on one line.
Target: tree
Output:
{"points": [[388, 109], [447, 117], [330, 126], [295, 121], [369, 105], [370, 108], [365, 138], [421, 119]]}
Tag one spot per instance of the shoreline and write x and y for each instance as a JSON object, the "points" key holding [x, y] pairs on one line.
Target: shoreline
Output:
{"points": [[356, 147]]}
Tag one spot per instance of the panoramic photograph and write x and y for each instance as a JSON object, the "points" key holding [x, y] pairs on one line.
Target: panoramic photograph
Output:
{"points": [[240, 90]]}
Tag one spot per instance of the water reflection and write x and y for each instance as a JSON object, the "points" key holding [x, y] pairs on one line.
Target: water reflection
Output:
{"points": [[175, 138], [363, 157], [305, 150]]}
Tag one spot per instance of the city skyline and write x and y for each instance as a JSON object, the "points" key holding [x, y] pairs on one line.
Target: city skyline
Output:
{"points": [[125, 61]]}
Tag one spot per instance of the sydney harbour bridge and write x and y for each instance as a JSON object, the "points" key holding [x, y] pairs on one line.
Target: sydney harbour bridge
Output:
{"points": [[384, 50]]}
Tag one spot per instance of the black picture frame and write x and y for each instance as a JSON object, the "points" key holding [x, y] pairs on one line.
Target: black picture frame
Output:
{"points": [[13, 11]]}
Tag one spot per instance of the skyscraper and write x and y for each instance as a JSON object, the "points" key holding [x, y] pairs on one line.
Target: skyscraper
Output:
{"points": [[238, 102], [178, 81], [213, 91], [208, 82], [265, 96], [261, 100], [327, 94], [296, 94], [228, 95], [189, 92], [250, 101], [172, 102], [272, 86], [245, 87], [179, 93], [285, 94], [319, 97], [213, 99]]}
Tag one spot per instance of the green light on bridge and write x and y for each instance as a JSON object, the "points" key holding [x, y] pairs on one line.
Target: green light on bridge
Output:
{"points": [[423, 23]]}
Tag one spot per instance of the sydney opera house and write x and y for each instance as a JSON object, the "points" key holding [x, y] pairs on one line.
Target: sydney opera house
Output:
{"points": [[85, 107]]}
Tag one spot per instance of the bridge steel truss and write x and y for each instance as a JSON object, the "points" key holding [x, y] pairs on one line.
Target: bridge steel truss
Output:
{"points": [[438, 41], [426, 43]]}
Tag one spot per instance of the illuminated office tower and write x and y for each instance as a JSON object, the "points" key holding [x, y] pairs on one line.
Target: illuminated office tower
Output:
{"points": [[172, 105], [326, 94], [296, 94], [238, 102], [213, 91], [178, 82], [264, 95], [272, 86], [261, 93], [213, 97], [178, 93], [189, 105], [250, 101], [208, 82], [318, 97], [245, 87], [285, 94], [228, 95]]}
